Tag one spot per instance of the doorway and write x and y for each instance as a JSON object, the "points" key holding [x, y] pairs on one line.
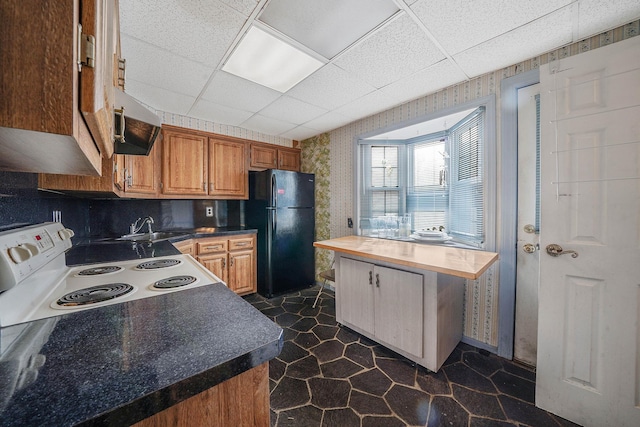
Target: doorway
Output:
{"points": [[528, 229]]}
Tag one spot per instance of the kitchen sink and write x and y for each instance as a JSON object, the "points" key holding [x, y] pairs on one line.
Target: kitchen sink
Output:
{"points": [[152, 237]]}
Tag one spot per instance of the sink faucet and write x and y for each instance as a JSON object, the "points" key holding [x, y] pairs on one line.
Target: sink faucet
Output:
{"points": [[134, 228]]}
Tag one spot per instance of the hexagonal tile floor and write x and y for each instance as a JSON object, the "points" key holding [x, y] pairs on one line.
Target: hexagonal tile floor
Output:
{"points": [[329, 375]]}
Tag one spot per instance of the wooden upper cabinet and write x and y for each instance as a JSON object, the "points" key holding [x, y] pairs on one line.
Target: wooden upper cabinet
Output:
{"points": [[263, 156], [45, 99], [268, 156], [141, 174], [228, 175], [289, 159], [184, 163]]}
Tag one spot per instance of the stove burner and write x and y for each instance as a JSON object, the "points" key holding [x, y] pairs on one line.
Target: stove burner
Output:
{"points": [[174, 282], [158, 263], [95, 294], [95, 271]]}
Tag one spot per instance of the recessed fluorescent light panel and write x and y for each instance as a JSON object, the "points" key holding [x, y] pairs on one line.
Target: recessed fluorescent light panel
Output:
{"points": [[269, 61], [327, 26]]}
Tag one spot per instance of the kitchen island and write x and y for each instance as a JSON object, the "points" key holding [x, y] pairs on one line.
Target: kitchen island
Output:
{"points": [[200, 354], [407, 296]]}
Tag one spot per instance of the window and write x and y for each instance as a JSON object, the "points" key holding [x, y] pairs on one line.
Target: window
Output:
{"points": [[437, 178]]}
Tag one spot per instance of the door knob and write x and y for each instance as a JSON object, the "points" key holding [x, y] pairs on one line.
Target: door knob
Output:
{"points": [[556, 250], [529, 248]]}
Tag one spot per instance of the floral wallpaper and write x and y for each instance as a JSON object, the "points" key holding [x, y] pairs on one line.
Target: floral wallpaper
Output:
{"points": [[316, 159]]}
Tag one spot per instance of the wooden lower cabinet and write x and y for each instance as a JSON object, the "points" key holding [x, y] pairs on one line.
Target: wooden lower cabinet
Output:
{"points": [[240, 401], [185, 247], [416, 313], [232, 259]]}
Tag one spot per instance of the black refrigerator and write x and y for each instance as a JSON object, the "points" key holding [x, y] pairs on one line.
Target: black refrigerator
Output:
{"points": [[281, 208]]}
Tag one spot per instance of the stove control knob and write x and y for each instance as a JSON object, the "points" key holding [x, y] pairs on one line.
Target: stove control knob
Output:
{"points": [[19, 254], [66, 233]]}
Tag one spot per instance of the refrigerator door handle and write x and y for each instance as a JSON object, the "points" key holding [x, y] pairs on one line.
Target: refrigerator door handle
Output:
{"points": [[274, 191]]}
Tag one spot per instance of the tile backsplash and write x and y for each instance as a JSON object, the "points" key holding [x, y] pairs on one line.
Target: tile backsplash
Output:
{"points": [[22, 203]]}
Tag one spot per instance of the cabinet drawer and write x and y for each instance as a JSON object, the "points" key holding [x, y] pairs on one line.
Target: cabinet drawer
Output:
{"points": [[211, 246], [185, 246], [243, 243]]}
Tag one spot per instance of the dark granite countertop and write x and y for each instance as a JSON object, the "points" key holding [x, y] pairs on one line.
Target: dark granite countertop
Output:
{"points": [[108, 249], [119, 364]]}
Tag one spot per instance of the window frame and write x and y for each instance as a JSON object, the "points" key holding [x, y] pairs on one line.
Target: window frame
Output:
{"points": [[489, 155]]}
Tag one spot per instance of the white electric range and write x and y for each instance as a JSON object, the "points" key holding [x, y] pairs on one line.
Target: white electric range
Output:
{"points": [[35, 282]]}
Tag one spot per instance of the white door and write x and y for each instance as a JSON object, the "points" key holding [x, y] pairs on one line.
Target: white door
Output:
{"points": [[525, 340], [589, 315]]}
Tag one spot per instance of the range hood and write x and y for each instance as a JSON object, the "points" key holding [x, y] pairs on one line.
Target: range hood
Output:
{"points": [[136, 127]]}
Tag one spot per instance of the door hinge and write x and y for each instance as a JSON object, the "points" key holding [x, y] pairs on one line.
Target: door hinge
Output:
{"points": [[86, 49]]}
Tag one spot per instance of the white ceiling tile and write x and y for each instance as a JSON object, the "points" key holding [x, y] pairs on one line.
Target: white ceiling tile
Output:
{"points": [[330, 121], [328, 26], [461, 24], [158, 98], [397, 50], [219, 113], [267, 125], [596, 16], [369, 104], [429, 80], [329, 87], [199, 30], [243, 6], [295, 111], [163, 69], [238, 93], [299, 133], [540, 36]]}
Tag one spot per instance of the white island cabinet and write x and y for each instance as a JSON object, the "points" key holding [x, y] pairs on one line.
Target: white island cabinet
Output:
{"points": [[406, 296]]}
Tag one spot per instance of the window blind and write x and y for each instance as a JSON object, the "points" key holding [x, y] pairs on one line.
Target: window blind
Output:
{"points": [[466, 187]]}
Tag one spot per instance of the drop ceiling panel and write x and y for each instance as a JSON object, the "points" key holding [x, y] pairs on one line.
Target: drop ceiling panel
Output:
{"points": [[267, 125], [238, 93], [329, 87], [163, 69], [429, 80], [398, 50], [219, 113], [460, 24], [243, 6], [329, 121], [328, 26], [158, 98], [300, 133], [369, 104], [201, 31], [525, 42], [597, 16], [295, 111]]}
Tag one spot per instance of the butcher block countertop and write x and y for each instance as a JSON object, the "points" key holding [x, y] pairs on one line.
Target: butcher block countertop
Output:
{"points": [[466, 263]]}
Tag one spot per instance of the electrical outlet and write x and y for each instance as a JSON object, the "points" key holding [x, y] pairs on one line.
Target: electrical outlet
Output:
{"points": [[209, 211], [349, 223]]}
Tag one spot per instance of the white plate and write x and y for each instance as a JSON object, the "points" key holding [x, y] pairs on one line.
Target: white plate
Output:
{"points": [[430, 233], [440, 239]]}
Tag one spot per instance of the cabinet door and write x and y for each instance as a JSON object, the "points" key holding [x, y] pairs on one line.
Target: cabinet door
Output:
{"points": [[399, 309], [289, 160], [184, 163], [217, 264], [228, 169], [141, 172], [185, 247], [263, 157], [241, 272], [355, 283]]}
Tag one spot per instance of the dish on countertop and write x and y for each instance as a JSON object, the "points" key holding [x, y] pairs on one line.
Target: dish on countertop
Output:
{"points": [[443, 237]]}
